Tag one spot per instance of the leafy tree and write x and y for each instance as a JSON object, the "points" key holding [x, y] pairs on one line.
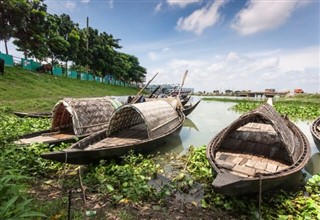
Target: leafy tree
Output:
{"points": [[31, 39], [70, 32], [57, 45], [13, 16]]}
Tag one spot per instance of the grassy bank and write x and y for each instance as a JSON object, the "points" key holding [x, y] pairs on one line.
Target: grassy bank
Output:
{"points": [[23, 90]]}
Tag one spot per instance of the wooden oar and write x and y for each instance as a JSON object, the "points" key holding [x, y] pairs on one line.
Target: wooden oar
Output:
{"points": [[154, 91], [184, 78], [137, 96]]}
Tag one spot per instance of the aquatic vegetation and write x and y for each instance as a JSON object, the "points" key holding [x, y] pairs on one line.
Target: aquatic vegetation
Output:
{"points": [[128, 182], [125, 181], [293, 110], [12, 126]]}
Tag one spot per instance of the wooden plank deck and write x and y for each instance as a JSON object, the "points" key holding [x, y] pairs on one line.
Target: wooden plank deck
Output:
{"points": [[247, 165], [132, 135]]}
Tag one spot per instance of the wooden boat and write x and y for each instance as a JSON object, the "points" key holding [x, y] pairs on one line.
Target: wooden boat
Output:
{"points": [[74, 119], [187, 109], [315, 131], [33, 114], [185, 100], [140, 127], [259, 149]]}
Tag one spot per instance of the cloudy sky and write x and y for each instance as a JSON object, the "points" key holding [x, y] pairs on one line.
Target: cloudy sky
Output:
{"points": [[224, 44]]}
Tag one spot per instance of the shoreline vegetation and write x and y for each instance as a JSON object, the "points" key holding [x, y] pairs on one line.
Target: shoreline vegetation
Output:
{"points": [[165, 186]]}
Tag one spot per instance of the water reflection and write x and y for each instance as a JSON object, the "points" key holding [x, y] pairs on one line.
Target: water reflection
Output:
{"points": [[210, 117], [190, 124], [313, 166]]}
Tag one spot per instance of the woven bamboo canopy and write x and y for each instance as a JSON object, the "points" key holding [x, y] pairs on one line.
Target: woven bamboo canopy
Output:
{"points": [[158, 116], [83, 115]]}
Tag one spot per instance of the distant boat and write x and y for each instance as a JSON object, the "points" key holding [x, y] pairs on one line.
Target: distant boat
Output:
{"points": [[141, 127], [73, 119], [259, 149], [33, 114], [315, 131], [187, 109]]}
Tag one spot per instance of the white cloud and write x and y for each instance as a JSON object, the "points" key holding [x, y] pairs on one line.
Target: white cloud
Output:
{"points": [[181, 3], [202, 18], [85, 1], [152, 56], [158, 7], [70, 5], [278, 69], [264, 15], [110, 3]]}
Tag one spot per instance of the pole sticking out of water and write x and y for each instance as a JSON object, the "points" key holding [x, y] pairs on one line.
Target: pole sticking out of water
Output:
{"points": [[270, 102]]}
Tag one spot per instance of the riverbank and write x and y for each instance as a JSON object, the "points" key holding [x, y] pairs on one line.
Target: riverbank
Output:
{"points": [[26, 91], [167, 186]]}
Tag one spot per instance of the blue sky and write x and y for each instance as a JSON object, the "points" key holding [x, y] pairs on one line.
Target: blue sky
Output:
{"points": [[225, 44]]}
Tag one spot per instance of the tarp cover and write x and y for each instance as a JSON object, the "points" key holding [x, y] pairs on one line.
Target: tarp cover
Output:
{"points": [[158, 116], [83, 115]]}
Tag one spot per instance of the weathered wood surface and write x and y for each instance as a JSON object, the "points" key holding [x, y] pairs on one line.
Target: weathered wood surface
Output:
{"points": [[139, 127], [259, 146], [315, 131]]}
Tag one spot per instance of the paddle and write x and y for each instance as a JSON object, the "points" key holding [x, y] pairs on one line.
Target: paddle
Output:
{"points": [[184, 78], [136, 98]]}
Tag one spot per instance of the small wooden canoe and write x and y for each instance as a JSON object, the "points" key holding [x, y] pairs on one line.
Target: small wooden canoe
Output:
{"points": [[259, 149], [315, 131], [33, 114], [187, 109], [73, 119], [185, 100], [140, 127]]}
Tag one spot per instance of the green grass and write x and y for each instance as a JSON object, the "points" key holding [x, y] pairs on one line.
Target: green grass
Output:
{"points": [[23, 90]]}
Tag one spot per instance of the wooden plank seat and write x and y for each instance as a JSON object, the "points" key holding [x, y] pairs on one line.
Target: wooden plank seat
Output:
{"points": [[247, 165], [128, 136]]}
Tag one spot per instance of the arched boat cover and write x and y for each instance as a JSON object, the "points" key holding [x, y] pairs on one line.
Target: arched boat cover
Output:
{"points": [[83, 115], [267, 114], [158, 116]]}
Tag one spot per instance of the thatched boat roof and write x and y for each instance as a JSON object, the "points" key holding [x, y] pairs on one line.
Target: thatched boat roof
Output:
{"points": [[84, 115], [158, 116], [268, 115]]}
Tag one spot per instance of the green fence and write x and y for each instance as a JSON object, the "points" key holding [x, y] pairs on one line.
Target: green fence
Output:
{"points": [[32, 65], [29, 64], [72, 74], [57, 71], [8, 59]]}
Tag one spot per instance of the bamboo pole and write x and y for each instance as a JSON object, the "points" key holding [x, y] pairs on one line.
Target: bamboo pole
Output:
{"points": [[137, 96], [184, 78]]}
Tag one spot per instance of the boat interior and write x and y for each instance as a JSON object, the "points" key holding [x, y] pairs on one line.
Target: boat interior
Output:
{"points": [[252, 149], [132, 135]]}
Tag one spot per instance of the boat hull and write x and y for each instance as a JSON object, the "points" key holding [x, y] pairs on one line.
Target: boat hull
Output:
{"points": [[49, 137], [315, 131], [77, 156], [188, 109], [252, 157]]}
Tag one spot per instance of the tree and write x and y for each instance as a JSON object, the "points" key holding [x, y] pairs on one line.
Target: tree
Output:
{"points": [[70, 32], [14, 16], [31, 39]]}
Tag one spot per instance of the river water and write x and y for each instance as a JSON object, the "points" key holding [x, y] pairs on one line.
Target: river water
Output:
{"points": [[210, 117]]}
